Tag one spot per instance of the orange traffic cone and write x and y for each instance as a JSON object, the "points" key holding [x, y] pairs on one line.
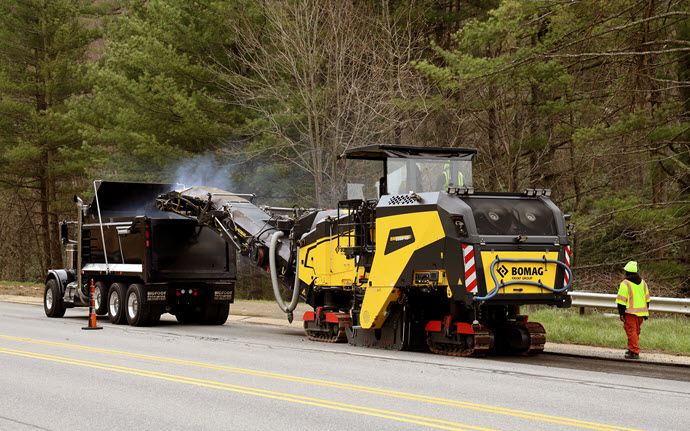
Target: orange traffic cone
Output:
{"points": [[92, 310]]}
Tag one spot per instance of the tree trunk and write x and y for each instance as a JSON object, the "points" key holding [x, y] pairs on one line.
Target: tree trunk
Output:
{"points": [[45, 231], [54, 229], [683, 30], [493, 144], [21, 264]]}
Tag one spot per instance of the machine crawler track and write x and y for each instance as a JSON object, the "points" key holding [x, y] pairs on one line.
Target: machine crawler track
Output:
{"points": [[537, 337], [519, 337], [326, 327], [461, 344]]}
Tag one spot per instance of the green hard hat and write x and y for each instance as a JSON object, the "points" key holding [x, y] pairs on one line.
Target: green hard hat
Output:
{"points": [[631, 266]]}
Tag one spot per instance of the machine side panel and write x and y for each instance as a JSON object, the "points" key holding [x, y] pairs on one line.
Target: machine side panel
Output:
{"points": [[323, 264], [398, 237]]}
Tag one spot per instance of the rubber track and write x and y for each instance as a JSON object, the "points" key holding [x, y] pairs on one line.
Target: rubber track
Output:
{"points": [[537, 337], [325, 334], [482, 342]]}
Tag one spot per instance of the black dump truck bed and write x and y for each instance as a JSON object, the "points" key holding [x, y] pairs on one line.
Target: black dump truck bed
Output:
{"points": [[140, 239], [142, 262]]}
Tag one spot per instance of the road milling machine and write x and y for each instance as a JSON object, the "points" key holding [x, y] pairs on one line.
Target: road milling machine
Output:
{"points": [[414, 258]]}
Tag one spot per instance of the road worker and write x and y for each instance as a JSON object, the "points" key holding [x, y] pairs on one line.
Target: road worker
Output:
{"points": [[447, 179], [633, 307]]}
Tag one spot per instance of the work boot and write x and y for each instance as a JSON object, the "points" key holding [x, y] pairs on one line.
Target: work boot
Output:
{"points": [[631, 355]]}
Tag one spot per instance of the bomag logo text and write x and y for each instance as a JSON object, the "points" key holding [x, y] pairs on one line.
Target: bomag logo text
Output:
{"points": [[527, 271], [401, 238]]}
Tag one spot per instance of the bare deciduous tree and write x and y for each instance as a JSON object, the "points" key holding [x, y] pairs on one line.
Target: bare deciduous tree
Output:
{"points": [[324, 76]]}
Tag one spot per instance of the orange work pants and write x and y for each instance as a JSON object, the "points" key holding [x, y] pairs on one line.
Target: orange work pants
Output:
{"points": [[632, 325]]}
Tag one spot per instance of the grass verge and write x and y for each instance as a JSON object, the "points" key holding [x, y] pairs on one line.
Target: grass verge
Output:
{"points": [[21, 288], [20, 283], [664, 334]]}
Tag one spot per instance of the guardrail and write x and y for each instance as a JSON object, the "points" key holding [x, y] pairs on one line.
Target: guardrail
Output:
{"points": [[606, 300]]}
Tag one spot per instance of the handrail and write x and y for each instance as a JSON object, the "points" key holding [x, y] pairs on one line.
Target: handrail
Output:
{"points": [[494, 291], [100, 222], [607, 300]]}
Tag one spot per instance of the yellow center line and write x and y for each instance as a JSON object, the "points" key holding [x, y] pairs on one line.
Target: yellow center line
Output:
{"points": [[345, 386], [403, 417]]}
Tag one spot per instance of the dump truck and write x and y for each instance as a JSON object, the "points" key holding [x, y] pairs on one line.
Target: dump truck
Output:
{"points": [[142, 261], [413, 258]]}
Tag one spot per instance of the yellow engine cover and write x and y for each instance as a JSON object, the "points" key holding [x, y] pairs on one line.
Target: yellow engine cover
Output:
{"points": [[397, 238], [520, 271], [324, 264]]}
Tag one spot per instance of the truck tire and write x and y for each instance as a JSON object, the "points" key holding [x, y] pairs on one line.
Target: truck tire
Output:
{"points": [[215, 314], [52, 300], [116, 303], [137, 309], [100, 293]]}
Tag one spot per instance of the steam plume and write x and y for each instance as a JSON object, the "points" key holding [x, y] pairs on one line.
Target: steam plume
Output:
{"points": [[204, 170]]}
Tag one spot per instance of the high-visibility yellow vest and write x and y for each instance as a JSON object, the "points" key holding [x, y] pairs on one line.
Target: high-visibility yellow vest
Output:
{"points": [[461, 178], [634, 296]]}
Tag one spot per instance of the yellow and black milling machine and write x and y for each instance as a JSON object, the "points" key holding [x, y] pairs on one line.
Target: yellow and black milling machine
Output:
{"points": [[413, 258]]}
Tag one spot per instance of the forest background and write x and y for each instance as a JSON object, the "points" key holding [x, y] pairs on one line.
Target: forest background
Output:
{"points": [[588, 98]]}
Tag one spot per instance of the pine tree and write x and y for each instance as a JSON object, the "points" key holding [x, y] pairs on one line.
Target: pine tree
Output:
{"points": [[587, 98], [44, 46], [153, 102]]}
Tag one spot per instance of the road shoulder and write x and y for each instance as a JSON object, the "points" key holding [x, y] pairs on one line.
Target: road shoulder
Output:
{"points": [[268, 313]]}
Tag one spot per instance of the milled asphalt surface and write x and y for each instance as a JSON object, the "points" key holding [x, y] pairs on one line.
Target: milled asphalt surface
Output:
{"points": [[268, 313]]}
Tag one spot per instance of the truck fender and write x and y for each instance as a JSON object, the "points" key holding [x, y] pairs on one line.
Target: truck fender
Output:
{"points": [[62, 276]]}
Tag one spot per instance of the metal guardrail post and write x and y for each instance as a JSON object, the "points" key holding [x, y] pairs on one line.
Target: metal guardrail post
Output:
{"points": [[606, 300]]}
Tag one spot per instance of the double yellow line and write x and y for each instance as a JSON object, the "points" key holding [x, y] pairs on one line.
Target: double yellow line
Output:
{"points": [[362, 410], [419, 420]]}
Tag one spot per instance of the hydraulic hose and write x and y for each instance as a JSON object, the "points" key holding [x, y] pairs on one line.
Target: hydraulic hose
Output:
{"points": [[274, 278], [531, 283]]}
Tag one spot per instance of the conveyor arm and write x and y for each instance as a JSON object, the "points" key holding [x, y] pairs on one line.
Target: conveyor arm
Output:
{"points": [[243, 225]]}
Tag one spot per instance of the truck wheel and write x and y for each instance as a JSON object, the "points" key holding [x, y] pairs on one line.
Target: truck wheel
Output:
{"points": [[100, 292], [137, 310], [116, 303], [215, 314], [52, 300]]}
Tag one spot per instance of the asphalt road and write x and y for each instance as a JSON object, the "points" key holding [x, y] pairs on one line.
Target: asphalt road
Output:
{"points": [[55, 376]]}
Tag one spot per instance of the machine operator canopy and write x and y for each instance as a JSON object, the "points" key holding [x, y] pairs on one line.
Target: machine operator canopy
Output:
{"points": [[402, 169]]}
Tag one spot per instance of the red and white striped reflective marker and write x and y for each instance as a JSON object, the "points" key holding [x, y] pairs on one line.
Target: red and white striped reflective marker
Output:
{"points": [[470, 268], [567, 262]]}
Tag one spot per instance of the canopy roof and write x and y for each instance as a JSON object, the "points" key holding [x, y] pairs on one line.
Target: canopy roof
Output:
{"points": [[383, 152]]}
